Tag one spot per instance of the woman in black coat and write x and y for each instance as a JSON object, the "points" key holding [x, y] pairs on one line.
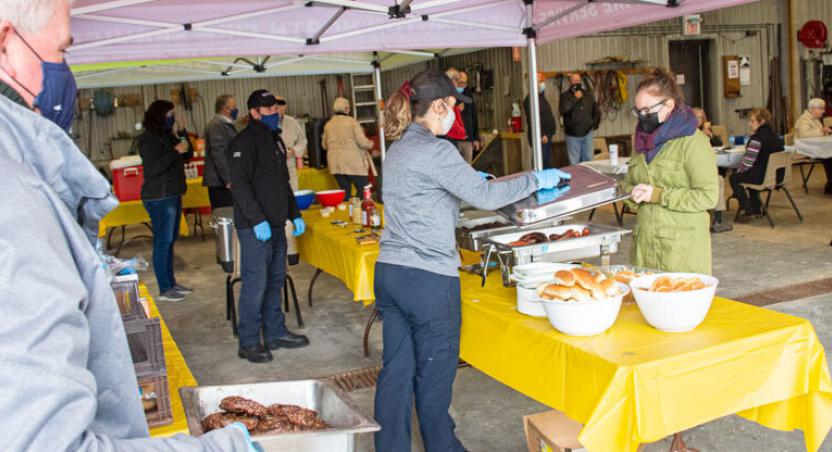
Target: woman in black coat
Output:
{"points": [[752, 170], [163, 156]]}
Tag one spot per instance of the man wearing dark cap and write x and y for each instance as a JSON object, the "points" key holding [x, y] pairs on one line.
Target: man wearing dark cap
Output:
{"points": [[263, 201]]}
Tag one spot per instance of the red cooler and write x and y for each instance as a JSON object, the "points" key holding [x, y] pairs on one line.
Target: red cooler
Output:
{"points": [[128, 176]]}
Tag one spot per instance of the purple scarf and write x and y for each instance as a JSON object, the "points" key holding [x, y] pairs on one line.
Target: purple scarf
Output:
{"points": [[681, 123]]}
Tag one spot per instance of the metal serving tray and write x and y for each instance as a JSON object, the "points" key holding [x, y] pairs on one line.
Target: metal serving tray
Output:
{"points": [[589, 189], [472, 240], [332, 405], [601, 241]]}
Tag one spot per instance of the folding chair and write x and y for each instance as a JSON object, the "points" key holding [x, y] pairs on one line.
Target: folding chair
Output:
{"points": [[776, 161]]}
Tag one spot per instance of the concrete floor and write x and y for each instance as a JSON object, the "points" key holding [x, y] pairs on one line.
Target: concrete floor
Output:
{"points": [[750, 258]]}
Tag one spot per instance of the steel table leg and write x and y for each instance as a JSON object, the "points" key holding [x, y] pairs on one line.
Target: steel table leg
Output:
{"points": [[372, 320], [318, 272]]}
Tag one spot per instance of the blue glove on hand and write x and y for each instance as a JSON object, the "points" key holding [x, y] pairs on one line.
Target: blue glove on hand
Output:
{"points": [[485, 175], [550, 178], [263, 231], [550, 194], [300, 227], [252, 446]]}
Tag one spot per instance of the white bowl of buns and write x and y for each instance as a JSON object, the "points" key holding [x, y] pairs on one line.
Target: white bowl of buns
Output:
{"points": [[674, 302], [528, 277], [581, 302]]}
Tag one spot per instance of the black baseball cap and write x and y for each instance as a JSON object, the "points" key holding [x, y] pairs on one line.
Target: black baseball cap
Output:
{"points": [[431, 85], [261, 98]]}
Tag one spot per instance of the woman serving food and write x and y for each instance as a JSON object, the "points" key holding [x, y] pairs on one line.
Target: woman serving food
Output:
{"points": [[673, 180]]}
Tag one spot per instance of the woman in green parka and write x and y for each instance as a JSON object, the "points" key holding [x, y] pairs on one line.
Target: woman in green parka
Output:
{"points": [[673, 180]]}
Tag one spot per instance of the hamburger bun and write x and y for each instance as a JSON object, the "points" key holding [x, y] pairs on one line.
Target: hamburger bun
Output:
{"points": [[565, 278]]}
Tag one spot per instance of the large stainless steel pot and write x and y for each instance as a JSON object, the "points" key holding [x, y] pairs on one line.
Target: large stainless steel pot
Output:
{"points": [[223, 225]]}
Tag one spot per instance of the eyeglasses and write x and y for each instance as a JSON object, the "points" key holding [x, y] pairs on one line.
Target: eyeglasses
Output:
{"points": [[647, 110]]}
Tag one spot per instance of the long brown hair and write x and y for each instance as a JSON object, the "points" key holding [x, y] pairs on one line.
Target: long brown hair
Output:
{"points": [[662, 83], [400, 109]]}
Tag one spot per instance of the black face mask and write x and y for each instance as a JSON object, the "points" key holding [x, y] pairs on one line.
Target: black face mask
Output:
{"points": [[576, 88], [649, 122]]}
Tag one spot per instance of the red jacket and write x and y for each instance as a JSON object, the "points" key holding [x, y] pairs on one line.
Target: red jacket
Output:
{"points": [[457, 131]]}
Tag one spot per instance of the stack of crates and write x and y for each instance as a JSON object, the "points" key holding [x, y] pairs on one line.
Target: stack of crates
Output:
{"points": [[144, 337]]}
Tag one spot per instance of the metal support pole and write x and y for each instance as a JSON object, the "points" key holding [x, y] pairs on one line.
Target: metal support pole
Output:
{"points": [[534, 99], [379, 104]]}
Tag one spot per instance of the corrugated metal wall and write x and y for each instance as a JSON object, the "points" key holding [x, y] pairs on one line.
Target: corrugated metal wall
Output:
{"points": [[303, 94]]}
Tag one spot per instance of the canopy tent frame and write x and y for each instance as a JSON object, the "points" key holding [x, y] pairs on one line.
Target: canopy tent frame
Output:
{"points": [[398, 14]]}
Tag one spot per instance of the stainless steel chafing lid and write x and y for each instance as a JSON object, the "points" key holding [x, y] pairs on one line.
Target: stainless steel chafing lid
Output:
{"points": [[589, 188]]}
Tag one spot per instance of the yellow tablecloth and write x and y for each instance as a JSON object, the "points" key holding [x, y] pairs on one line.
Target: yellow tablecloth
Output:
{"points": [[334, 250], [316, 179], [634, 384], [179, 375], [132, 212]]}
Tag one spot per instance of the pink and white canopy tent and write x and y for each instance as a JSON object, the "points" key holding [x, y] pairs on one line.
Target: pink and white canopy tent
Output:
{"points": [[128, 30]]}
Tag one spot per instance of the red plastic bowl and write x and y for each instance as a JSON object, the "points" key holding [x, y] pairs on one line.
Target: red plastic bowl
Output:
{"points": [[330, 198]]}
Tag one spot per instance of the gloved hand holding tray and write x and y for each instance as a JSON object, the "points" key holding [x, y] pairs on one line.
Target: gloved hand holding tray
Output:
{"points": [[587, 189]]}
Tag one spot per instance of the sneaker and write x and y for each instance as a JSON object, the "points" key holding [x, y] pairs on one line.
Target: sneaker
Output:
{"points": [[172, 295], [721, 227], [182, 289]]}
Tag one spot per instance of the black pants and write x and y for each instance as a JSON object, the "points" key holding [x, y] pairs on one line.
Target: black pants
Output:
{"points": [[220, 197], [344, 181], [750, 201], [422, 318]]}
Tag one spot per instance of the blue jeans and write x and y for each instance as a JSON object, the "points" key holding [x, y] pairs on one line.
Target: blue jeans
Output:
{"points": [[263, 272], [165, 214], [548, 156], [421, 312], [580, 149]]}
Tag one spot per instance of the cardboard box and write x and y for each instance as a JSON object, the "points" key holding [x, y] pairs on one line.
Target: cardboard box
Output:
{"points": [[552, 431]]}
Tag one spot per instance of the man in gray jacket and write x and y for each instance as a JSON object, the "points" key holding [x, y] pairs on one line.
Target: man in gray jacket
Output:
{"points": [[67, 377], [218, 135]]}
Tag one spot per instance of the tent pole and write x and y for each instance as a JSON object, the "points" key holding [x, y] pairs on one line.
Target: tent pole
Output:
{"points": [[380, 105], [534, 99]]}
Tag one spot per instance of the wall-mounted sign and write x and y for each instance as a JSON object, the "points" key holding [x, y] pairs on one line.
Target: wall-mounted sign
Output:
{"points": [[692, 25], [745, 71]]}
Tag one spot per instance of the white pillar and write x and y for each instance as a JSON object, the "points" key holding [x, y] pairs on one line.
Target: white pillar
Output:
{"points": [[379, 106], [534, 99]]}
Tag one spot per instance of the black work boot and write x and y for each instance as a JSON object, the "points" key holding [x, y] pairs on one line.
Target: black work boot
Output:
{"points": [[255, 354]]}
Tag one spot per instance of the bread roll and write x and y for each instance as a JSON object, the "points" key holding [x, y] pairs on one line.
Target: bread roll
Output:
{"points": [[565, 278], [554, 292], [581, 294], [585, 278], [610, 287]]}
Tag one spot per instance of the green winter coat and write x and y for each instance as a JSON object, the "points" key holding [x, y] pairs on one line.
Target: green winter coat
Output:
{"points": [[673, 230]]}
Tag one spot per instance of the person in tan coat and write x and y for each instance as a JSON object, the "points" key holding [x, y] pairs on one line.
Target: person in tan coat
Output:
{"points": [[809, 125], [346, 147]]}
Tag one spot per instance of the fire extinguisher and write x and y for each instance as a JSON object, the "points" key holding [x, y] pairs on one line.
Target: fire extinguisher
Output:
{"points": [[516, 118]]}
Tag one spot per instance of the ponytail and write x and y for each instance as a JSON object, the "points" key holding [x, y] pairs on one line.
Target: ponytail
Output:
{"points": [[400, 110]]}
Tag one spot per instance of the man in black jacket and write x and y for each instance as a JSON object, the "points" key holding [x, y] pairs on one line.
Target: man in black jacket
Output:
{"points": [[263, 201], [580, 117], [548, 126], [468, 110], [218, 135]]}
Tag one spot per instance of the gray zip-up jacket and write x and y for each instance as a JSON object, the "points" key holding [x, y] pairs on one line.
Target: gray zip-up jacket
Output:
{"points": [[66, 377], [425, 178]]}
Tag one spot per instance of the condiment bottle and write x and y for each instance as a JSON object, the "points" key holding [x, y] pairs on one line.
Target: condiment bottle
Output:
{"points": [[368, 207]]}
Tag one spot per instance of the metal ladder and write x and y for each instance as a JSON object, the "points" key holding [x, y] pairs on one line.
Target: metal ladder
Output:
{"points": [[363, 98]]}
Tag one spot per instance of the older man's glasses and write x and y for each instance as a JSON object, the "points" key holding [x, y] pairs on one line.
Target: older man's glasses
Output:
{"points": [[641, 112]]}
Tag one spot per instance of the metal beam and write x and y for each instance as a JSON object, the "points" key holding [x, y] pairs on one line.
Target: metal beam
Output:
{"points": [[125, 38], [422, 6], [379, 104], [106, 6], [286, 61], [86, 75], [317, 38], [337, 60], [463, 23], [128, 21], [247, 34], [365, 30], [354, 5]]}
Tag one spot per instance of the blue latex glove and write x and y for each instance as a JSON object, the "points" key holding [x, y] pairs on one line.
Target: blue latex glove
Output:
{"points": [[252, 446], [300, 227], [550, 194], [485, 175], [263, 231], [550, 178]]}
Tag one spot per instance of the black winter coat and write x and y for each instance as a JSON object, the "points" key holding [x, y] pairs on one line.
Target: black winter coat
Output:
{"points": [[580, 116], [164, 168], [260, 178], [548, 126]]}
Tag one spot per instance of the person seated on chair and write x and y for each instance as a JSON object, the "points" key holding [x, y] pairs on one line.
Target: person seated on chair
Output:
{"points": [[705, 126], [809, 125], [752, 170]]}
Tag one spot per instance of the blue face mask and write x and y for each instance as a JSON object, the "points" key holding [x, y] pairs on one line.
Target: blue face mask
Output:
{"points": [[234, 113], [271, 121], [460, 89], [169, 122], [56, 101]]}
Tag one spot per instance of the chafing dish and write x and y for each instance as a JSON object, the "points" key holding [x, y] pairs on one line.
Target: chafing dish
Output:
{"points": [[602, 241], [470, 231], [589, 189]]}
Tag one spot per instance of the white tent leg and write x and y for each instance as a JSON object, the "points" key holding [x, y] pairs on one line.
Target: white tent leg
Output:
{"points": [[379, 108], [534, 99]]}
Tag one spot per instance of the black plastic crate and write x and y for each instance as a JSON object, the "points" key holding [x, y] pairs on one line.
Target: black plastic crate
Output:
{"points": [[126, 291], [155, 395], [144, 337]]}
